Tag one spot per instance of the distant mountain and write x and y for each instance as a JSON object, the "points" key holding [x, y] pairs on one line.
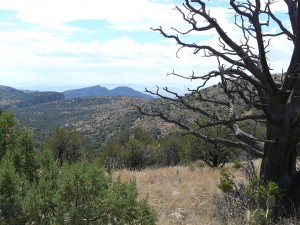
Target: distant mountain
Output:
{"points": [[9, 91], [102, 91], [13, 98], [27, 91]]}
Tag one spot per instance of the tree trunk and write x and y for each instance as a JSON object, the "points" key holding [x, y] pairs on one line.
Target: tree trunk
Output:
{"points": [[280, 153]]}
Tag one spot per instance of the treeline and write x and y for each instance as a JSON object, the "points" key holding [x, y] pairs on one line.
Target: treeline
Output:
{"points": [[61, 183], [137, 149]]}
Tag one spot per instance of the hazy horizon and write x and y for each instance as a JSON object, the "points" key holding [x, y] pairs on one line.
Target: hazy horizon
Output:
{"points": [[136, 87]]}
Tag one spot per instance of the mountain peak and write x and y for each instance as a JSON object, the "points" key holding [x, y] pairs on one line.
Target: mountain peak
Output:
{"points": [[98, 90]]}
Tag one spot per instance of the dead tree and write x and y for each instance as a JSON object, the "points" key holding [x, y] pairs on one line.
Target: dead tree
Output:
{"points": [[246, 77]]}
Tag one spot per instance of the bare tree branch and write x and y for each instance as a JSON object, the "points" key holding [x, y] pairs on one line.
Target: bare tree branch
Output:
{"points": [[257, 151]]}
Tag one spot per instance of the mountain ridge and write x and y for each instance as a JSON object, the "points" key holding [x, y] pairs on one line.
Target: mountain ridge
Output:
{"points": [[14, 98], [96, 117], [98, 90]]}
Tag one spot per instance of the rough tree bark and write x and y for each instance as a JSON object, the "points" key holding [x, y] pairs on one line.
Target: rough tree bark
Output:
{"points": [[245, 73]]}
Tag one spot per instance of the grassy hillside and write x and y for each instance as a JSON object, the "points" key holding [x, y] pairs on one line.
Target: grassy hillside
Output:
{"points": [[97, 118], [181, 195]]}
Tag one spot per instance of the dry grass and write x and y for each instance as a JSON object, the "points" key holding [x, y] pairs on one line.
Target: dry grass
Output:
{"points": [[187, 191], [180, 190]]}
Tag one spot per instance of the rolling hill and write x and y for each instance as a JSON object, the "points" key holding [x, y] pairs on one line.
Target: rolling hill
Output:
{"points": [[97, 118], [13, 98]]}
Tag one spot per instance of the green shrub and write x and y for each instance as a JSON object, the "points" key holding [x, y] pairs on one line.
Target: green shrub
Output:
{"points": [[132, 149], [201, 164], [86, 195], [227, 183], [237, 164], [40, 189], [260, 194], [259, 202], [68, 146], [79, 194], [193, 148], [10, 193]]}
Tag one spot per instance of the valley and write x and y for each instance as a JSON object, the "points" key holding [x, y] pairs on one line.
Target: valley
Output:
{"points": [[96, 117]]}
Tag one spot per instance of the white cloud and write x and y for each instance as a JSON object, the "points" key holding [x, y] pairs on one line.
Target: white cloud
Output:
{"points": [[122, 15], [42, 52], [122, 59]]}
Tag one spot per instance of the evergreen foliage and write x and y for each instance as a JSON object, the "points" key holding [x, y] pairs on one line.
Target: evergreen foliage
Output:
{"points": [[170, 148], [132, 149], [7, 132], [214, 155], [39, 189], [68, 146]]}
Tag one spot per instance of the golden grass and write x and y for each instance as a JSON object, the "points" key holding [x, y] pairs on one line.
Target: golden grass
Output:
{"points": [[178, 190], [187, 191]]}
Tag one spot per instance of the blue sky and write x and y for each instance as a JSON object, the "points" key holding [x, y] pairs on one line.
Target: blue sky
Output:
{"points": [[65, 44]]}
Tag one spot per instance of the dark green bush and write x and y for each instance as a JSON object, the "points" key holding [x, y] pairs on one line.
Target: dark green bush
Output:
{"points": [[38, 189], [79, 193], [68, 146], [133, 149]]}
